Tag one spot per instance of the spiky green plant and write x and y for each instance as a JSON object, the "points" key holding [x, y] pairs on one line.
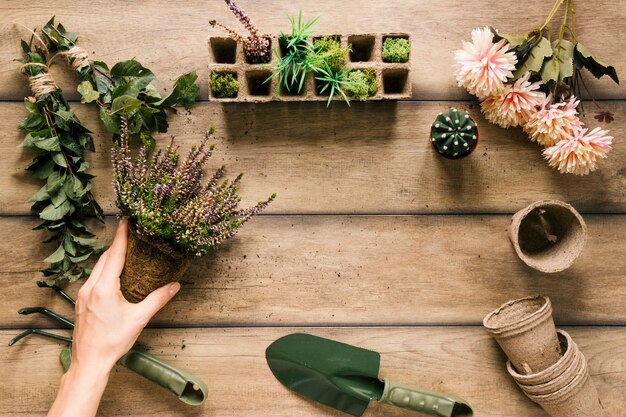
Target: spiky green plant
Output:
{"points": [[295, 61], [454, 134], [335, 81]]}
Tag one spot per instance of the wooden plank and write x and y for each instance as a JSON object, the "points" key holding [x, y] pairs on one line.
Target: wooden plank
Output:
{"points": [[372, 158], [171, 39], [338, 270], [463, 361]]}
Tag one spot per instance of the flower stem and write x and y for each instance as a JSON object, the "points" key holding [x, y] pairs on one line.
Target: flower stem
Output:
{"points": [[555, 9]]}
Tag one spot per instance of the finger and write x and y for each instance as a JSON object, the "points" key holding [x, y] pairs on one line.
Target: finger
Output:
{"points": [[95, 273], [117, 255], [157, 299]]}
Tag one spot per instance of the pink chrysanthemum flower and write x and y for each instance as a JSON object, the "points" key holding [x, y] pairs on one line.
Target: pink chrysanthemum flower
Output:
{"points": [[553, 122], [482, 66], [580, 152], [513, 106]]}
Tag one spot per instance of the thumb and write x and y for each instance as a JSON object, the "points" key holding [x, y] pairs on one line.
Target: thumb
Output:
{"points": [[157, 299]]}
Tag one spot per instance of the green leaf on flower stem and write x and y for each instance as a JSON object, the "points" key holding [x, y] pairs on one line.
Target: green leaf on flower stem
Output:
{"points": [[584, 58], [57, 256], [535, 58], [42, 169], [125, 104], [84, 241], [55, 181], [87, 93], [513, 40], [130, 68], [66, 357], [560, 65], [55, 213], [33, 121]]}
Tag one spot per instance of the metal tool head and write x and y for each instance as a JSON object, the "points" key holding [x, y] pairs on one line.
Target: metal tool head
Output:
{"points": [[335, 374]]}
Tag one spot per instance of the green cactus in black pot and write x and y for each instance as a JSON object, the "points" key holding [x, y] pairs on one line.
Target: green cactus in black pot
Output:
{"points": [[454, 134]]}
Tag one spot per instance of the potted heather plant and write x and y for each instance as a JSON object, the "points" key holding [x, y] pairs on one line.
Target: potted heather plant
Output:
{"points": [[173, 216], [256, 47]]}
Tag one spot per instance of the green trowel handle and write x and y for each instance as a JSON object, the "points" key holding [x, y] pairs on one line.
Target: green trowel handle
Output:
{"points": [[432, 403], [188, 388]]}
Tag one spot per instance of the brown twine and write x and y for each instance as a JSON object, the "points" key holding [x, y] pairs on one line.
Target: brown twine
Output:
{"points": [[77, 57], [41, 84]]}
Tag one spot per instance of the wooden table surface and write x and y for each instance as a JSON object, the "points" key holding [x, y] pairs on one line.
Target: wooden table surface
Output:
{"points": [[373, 240]]}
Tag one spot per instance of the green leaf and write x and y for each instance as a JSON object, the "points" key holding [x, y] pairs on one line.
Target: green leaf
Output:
{"points": [[535, 58], [84, 241], [514, 40], [41, 195], [55, 213], [48, 144], [87, 93], [55, 181], [69, 246], [560, 65], [58, 198], [185, 90], [130, 68], [82, 258], [597, 67], [57, 256], [109, 121], [32, 122], [66, 357], [42, 169], [59, 159], [125, 105]]}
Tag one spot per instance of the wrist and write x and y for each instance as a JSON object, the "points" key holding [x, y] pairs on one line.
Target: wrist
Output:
{"points": [[89, 376]]}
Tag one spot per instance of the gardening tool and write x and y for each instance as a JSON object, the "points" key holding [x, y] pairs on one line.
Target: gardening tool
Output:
{"points": [[345, 377], [188, 388]]}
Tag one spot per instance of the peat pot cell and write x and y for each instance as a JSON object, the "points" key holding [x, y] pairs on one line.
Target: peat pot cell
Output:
{"points": [[395, 81], [256, 83], [224, 50], [265, 61], [362, 47]]}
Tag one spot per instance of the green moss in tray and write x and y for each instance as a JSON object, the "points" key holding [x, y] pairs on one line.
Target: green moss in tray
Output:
{"points": [[396, 50], [224, 85], [362, 84]]}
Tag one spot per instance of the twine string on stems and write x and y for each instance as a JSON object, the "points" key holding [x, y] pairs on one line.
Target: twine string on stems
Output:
{"points": [[77, 57], [41, 83]]}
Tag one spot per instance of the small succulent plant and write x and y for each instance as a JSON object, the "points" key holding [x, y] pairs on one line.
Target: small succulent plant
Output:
{"points": [[454, 134]]}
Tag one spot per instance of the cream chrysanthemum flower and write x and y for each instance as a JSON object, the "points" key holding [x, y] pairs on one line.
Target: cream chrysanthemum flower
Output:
{"points": [[513, 105], [580, 152], [482, 66], [553, 122]]}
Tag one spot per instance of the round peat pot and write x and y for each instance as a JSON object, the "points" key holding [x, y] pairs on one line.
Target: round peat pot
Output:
{"points": [[570, 353], [149, 265], [454, 134], [577, 399], [579, 364], [525, 331], [548, 235]]}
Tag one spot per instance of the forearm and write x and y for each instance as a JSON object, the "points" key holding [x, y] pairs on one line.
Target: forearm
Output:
{"points": [[80, 392]]}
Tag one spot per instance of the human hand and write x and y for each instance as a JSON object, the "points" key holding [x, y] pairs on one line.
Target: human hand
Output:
{"points": [[107, 325]]}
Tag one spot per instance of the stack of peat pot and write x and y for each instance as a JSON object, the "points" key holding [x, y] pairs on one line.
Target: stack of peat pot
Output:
{"points": [[544, 362]]}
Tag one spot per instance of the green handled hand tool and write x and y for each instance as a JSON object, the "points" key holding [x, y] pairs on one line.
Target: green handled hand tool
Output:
{"points": [[345, 377], [187, 387]]}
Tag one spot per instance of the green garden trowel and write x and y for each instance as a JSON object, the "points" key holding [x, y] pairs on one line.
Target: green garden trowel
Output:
{"points": [[346, 378]]}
